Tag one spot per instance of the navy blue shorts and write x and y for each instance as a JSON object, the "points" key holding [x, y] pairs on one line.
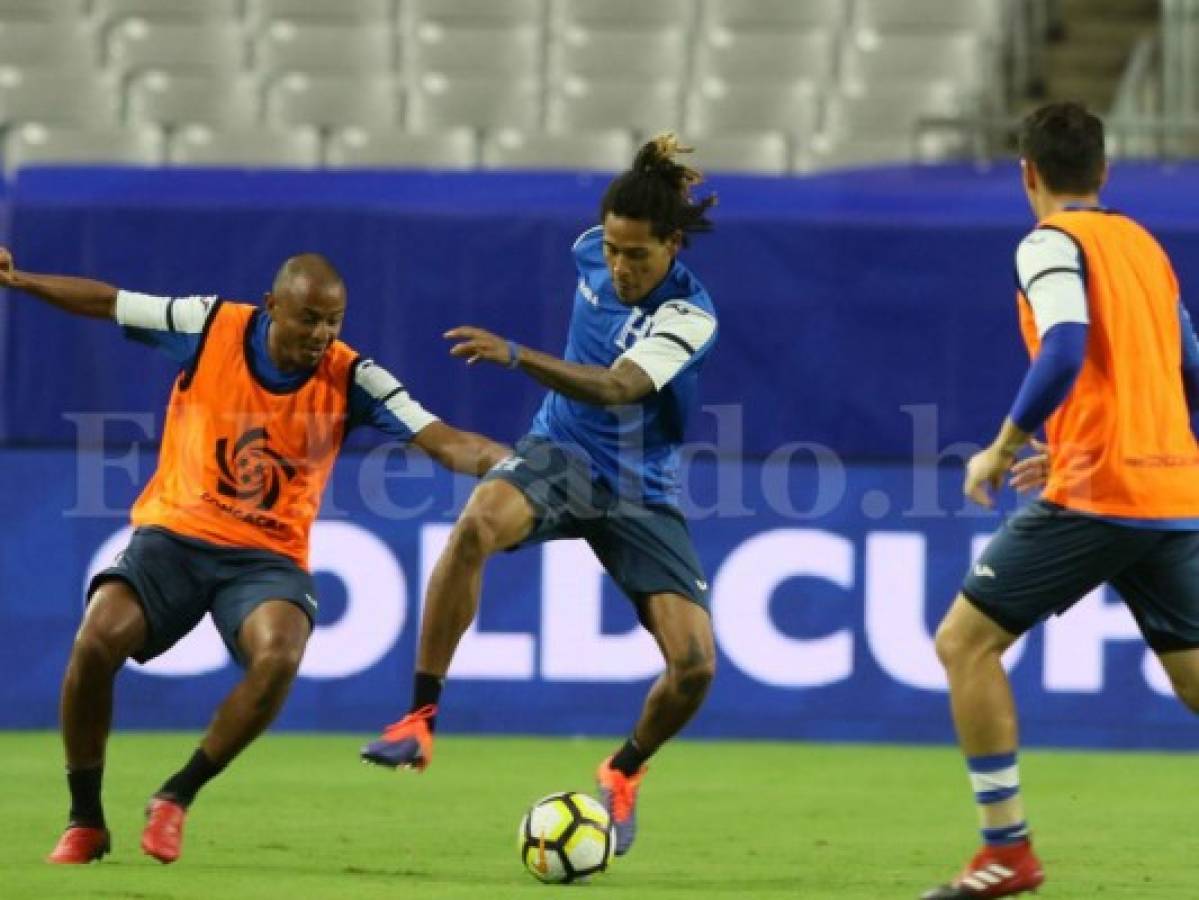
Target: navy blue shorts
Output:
{"points": [[1046, 558], [178, 579], [646, 549]]}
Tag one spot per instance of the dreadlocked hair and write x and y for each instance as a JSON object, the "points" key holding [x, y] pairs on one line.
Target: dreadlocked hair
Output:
{"points": [[657, 189]]}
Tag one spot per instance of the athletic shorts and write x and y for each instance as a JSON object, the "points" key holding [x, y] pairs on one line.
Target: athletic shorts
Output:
{"points": [[647, 549], [1045, 558], [178, 579]]}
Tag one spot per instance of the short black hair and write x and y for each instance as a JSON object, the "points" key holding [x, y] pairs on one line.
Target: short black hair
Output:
{"points": [[1065, 142], [658, 190]]}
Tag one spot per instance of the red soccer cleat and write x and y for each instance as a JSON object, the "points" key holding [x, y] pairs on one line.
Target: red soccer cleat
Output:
{"points": [[80, 844], [162, 837], [618, 792], [406, 744], [994, 872]]}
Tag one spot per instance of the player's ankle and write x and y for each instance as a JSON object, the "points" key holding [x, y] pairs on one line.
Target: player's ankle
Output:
{"points": [[629, 759], [426, 692]]}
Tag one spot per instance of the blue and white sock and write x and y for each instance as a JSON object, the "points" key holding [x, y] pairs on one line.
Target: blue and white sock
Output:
{"points": [[996, 780]]}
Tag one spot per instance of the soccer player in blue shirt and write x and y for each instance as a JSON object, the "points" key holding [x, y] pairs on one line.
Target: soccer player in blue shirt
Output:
{"points": [[600, 463]]}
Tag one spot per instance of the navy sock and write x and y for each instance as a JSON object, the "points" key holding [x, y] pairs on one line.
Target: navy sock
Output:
{"points": [[85, 796], [629, 758], [183, 786]]}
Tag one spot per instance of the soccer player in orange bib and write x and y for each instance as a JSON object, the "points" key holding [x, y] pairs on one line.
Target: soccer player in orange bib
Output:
{"points": [[256, 419], [1115, 381]]}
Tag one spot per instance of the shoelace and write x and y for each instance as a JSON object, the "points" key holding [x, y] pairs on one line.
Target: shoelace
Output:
{"points": [[624, 794], [392, 731]]}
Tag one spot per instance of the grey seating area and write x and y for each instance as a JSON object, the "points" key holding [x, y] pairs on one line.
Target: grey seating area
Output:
{"points": [[758, 86]]}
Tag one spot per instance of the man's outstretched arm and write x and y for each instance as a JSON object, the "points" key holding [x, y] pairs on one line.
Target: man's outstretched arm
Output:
{"points": [[460, 451], [81, 296], [677, 333], [377, 398]]}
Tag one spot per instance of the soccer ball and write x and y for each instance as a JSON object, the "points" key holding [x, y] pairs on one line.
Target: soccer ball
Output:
{"points": [[566, 837]]}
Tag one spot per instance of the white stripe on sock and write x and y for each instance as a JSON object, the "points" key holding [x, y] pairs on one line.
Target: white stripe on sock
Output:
{"points": [[995, 781]]}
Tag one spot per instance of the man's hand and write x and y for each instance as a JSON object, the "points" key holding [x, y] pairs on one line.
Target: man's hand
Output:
{"points": [[476, 344], [7, 270], [1032, 472], [984, 473]]}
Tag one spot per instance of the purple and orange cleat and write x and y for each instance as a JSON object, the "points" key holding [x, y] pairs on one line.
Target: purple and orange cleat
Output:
{"points": [[80, 844], [618, 792], [406, 744]]}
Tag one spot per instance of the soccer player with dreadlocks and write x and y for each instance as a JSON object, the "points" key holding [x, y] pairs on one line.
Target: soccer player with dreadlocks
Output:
{"points": [[600, 463]]}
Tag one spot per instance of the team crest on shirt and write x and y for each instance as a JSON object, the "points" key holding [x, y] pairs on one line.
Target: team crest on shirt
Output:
{"points": [[251, 470], [588, 294], [636, 327]]}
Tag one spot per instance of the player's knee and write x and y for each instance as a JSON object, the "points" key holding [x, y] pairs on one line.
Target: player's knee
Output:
{"points": [[951, 645], [113, 629], [274, 665], [475, 536], [97, 651], [693, 677]]}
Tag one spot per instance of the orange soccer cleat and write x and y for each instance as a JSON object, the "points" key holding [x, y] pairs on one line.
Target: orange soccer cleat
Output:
{"points": [[80, 844], [407, 743], [618, 792], [162, 837]]}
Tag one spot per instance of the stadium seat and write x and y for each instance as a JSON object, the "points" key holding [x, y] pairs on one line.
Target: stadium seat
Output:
{"points": [[720, 107], [360, 148], [472, 13], [647, 107], [173, 99], [621, 14], [64, 145], [601, 151], [774, 15], [137, 44], [74, 11], [883, 125], [892, 110], [437, 102], [260, 13], [595, 53], [108, 12], [762, 153], [983, 17], [298, 47], [853, 152], [869, 59], [55, 44], [766, 56], [334, 101], [37, 95], [510, 52], [199, 145]]}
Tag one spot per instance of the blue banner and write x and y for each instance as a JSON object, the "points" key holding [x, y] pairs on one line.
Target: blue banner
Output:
{"points": [[827, 582], [843, 298]]}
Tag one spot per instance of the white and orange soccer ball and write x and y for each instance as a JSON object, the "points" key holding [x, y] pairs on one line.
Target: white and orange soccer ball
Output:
{"points": [[566, 837]]}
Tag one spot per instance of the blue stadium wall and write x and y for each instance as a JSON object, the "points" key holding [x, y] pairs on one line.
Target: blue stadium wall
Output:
{"points": [[868, 335]]}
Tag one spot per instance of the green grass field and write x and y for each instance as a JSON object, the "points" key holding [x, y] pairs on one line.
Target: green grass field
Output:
{"points": [[298, 817]]}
